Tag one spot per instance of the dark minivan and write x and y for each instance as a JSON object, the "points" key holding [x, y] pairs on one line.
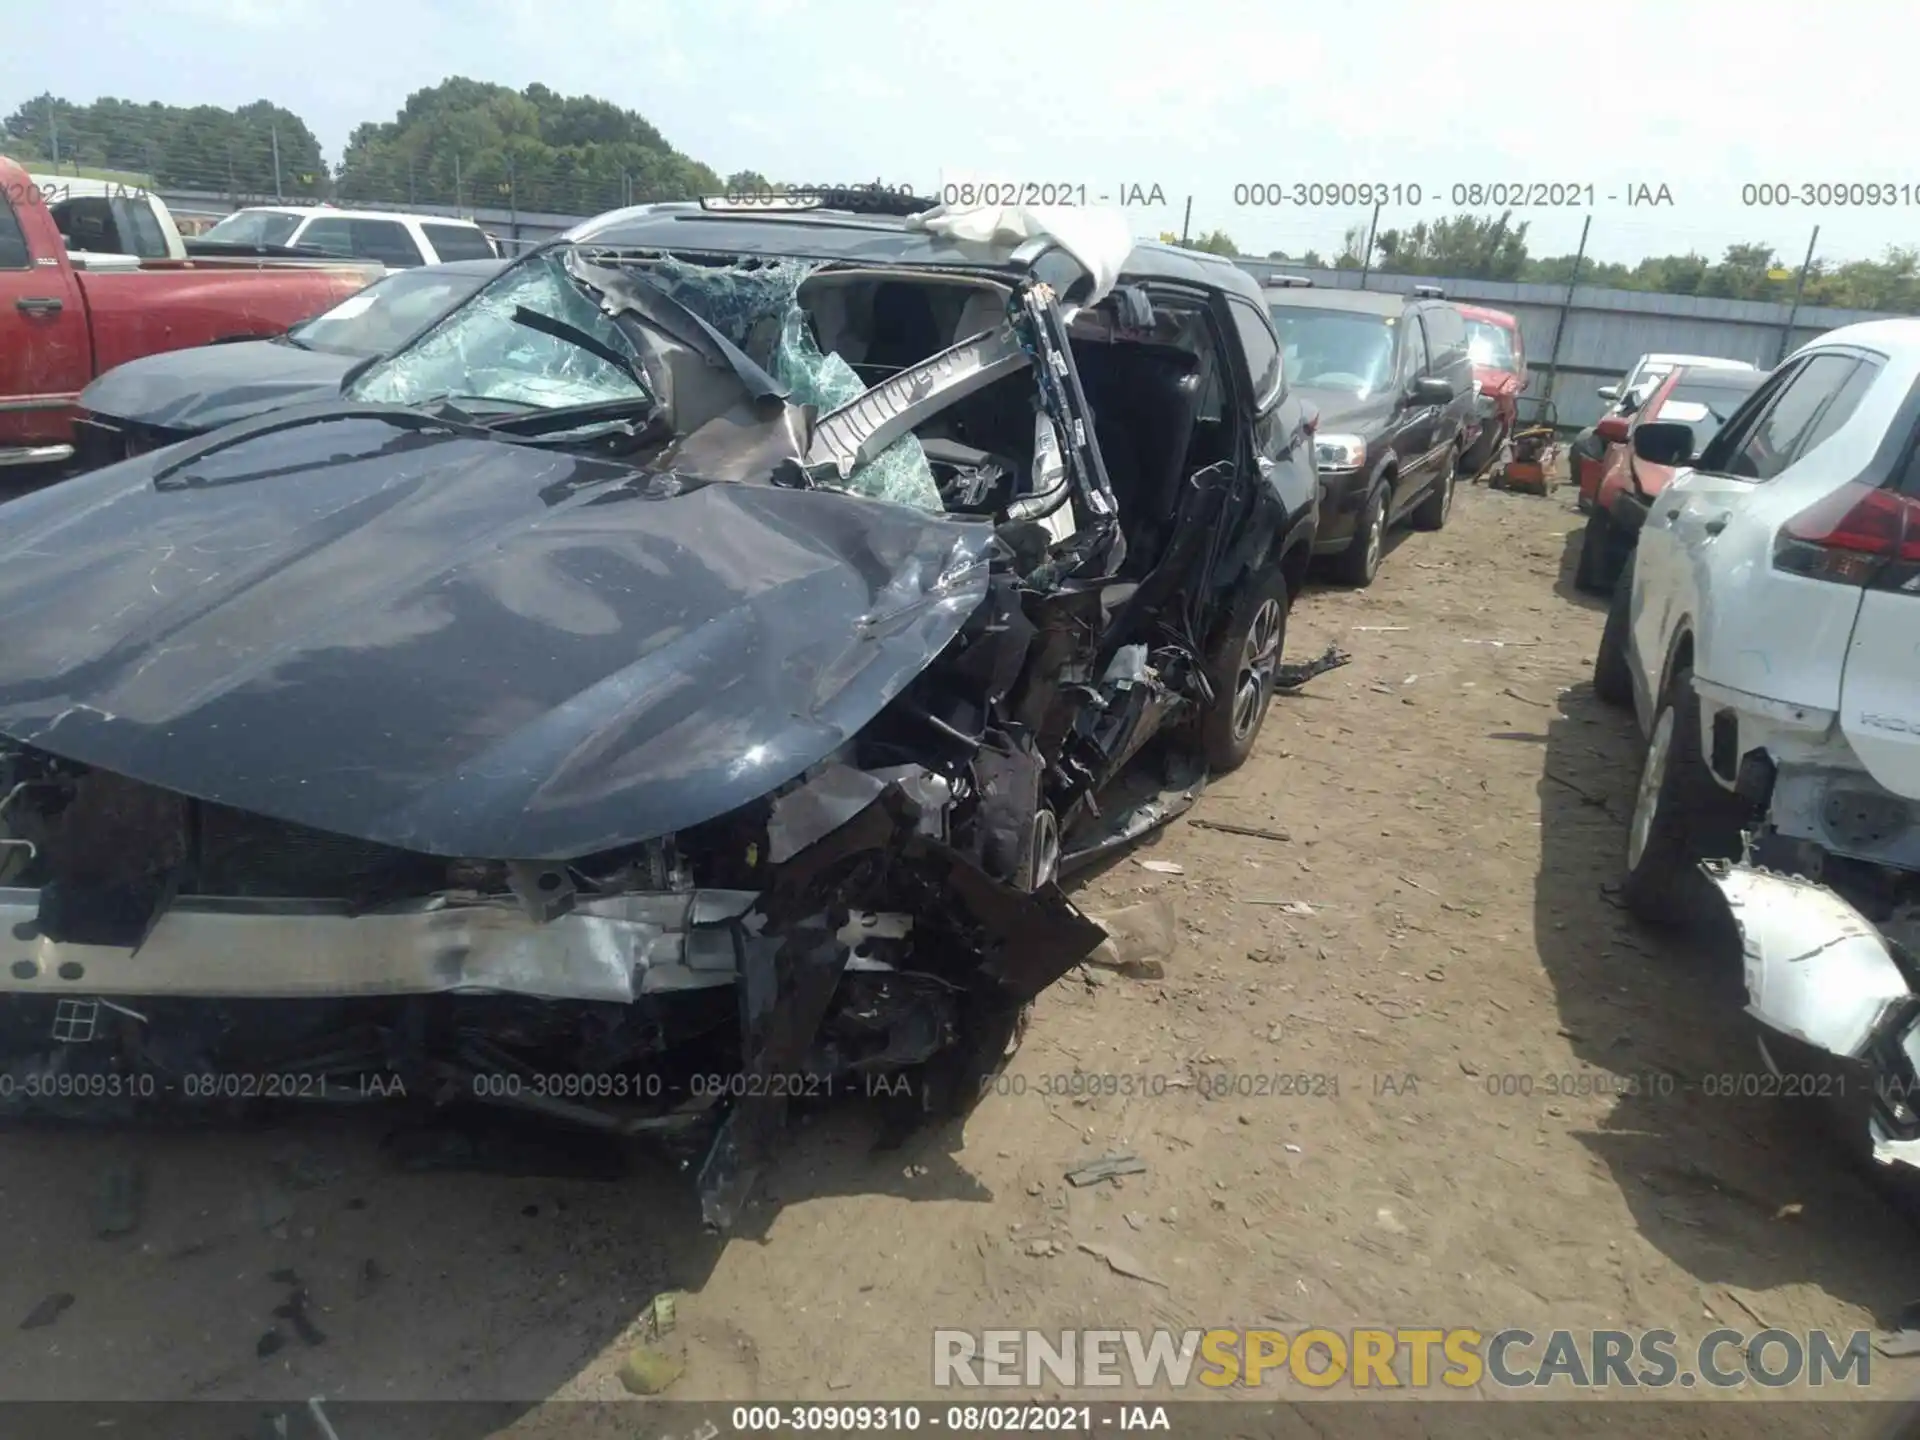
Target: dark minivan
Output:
{"points": [[1392, 378]]}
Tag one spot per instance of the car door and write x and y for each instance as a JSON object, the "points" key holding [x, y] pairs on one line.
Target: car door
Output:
{"points": [[1414, 423], [1712, 548], [45, 358]]}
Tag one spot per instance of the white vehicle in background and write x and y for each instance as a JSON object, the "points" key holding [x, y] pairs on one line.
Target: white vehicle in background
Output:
{"points": [[1768, 638], [397, 241], [1648, 369]]}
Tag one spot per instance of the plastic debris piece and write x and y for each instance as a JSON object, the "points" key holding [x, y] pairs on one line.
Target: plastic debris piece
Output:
{"points": [[1121, 1263], [664, 1314], [1095, 1172], [1161, 867]]}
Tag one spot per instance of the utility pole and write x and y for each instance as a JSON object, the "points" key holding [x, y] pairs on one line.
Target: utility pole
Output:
{"points": [[1187, 222], [53, 134], [1366, 260], [456, 184], [274, 133], [1799, 289], [1560, 323]]}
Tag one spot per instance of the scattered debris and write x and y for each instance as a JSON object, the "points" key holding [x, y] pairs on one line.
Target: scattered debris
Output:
{"points": [[1253, 831], [1293, 1149], [293, 1310], [1042, 1249], [1409, 880], [1161, 867], [647, 1371], [664, 1312], [1136, 1219], [1790, 1211], [1389, 1222], [1383, 629], [1288, 677], [1121, 1263], [116, 1199], [47, 1311], [1106, 1168], [1514, 694], [1290, 907], [1140, 939]]}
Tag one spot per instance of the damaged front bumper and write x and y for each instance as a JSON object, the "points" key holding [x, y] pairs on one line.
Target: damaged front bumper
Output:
{"points": [[695, 1016], [1836, 997]]}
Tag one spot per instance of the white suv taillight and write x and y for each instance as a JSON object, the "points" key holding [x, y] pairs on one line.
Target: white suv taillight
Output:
{"points": [[1859, 535]]}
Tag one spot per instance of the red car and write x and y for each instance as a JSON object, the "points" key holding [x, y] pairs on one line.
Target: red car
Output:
{"points": [[1500, 367], [66, 318], [1627, 485]]}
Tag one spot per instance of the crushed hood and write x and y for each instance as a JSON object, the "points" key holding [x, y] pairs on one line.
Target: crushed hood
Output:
{"points": [[213, 385], [459, 645]]}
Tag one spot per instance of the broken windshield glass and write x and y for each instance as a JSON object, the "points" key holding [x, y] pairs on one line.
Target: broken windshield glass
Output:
{"points": [[482, 352], [754, 304]]}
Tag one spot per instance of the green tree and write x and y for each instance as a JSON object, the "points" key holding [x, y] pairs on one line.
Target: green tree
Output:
{"points": [[1215, 242], [199, 147], [469, 142]]}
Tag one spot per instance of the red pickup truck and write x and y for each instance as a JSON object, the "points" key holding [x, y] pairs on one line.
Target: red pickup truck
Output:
{"points": [[67, 317]]}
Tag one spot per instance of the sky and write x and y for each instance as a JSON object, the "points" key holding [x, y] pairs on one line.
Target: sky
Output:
{"points": [[1201, 98]]}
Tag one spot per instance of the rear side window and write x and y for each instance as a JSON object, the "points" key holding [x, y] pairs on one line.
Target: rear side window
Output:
{"points": [[1262, 352], [139, 230], [386, 241], [1840, 409], [328, 233], [13, 242], [1773, 443], [457, 242]]}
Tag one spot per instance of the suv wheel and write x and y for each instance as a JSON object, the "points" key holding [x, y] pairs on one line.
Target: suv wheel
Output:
{"points": [[1681, 816], [1360, 561], [1241, 671], [1432, 512]]}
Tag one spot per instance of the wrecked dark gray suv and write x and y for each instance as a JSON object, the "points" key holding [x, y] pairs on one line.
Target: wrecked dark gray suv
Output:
{"points": [[667, 689]]}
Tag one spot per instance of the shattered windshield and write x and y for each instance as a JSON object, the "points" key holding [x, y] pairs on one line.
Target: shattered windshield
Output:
{"points": [[754, 303], [481, 352]]}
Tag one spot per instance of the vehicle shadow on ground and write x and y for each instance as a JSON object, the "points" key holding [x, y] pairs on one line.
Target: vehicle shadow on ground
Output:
{"points": [[1739, 1189], [268, 1264], [1563, 585]]}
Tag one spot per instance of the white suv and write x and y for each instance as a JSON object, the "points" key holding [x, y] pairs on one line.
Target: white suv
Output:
{"points": [[386, 237], [1768, 638]]}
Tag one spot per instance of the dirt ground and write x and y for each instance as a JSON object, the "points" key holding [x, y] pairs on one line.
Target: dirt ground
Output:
{"points": [[1436, 924]]}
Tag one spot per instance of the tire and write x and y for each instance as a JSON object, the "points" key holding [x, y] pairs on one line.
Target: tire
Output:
{"points": [[1612, 679], [1595, 574], [1681, 816], [1241, 669], [1432, 512], [1359, 563]]}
